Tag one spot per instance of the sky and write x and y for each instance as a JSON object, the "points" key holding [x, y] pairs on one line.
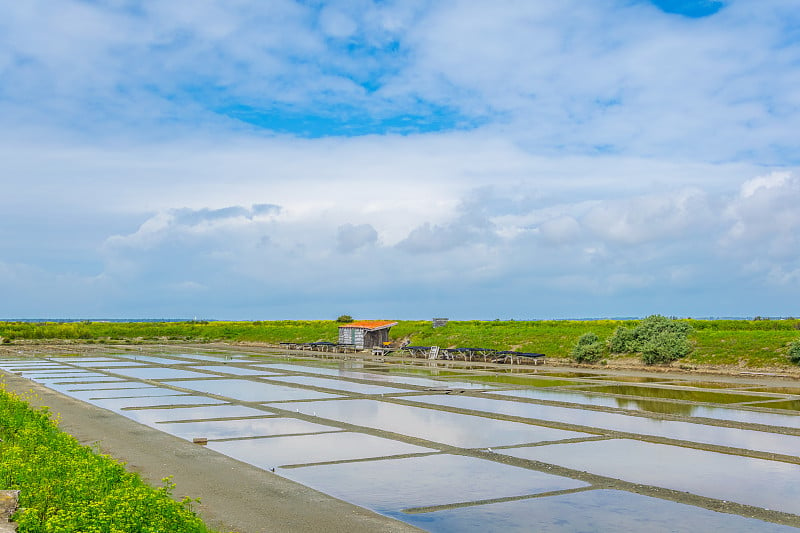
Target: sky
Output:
{"points": [[399, 159]]}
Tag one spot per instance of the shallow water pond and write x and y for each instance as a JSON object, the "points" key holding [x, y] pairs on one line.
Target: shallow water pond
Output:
{"points": [[425, 481], [657, 406], [588, 511], [236, 428], [151, 417], [433, 425], [274, 452], [341, 385], [529, 381], [792, 405], [689, 431], [250, 391], [158, 373], [149, 392], [634, 379], [118, 404], [107, 364], [767, 484], [234, 370], [673, 394]]}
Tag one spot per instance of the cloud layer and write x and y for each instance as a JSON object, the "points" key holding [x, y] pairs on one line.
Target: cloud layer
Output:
{"points": [[399, 159]]}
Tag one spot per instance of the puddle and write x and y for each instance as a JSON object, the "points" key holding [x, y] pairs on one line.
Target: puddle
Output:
{"points": [[251, 391], [236, 371], [277, 451], [768, 484], [337, 384], [673, 394], [689, 431], [252, 427], [656, 406], [594, 510], [158, 373], [424, 481], [438, 426]]}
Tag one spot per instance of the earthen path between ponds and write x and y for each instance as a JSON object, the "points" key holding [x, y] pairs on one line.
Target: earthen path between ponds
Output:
{"points": [[234, 496]]}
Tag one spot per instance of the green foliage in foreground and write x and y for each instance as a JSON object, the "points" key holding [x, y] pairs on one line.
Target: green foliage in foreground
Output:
{"points": [[66, 487], [588, 349]]}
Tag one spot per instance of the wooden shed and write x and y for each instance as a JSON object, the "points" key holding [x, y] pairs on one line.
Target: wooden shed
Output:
{"points": [[365, 333]]}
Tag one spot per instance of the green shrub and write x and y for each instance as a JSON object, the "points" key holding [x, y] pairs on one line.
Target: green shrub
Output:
{"points": [[623, 341], [344, 319], [659, 339], [665, 347], [588, 349], [794, 352]]}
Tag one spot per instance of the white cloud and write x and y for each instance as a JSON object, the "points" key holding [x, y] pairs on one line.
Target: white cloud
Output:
{"points": [[599, 146], [764, 220], [647, 218], [351, 237]]}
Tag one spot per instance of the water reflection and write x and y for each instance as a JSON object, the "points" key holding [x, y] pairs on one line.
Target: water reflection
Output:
{"points": [[674, 394], [595, 510], [158, 373], [425, 481], [277, 451], [437, 426], [689, 431], [719, 413], [341, 385], [251, 391], [250, 427], [768, 484]]}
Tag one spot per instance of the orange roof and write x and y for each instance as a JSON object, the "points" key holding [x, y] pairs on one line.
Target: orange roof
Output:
{"points": [[370, 324]]}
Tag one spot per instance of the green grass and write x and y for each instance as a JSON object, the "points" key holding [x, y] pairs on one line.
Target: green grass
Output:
{"points": [[66, 487], [747, 343]]}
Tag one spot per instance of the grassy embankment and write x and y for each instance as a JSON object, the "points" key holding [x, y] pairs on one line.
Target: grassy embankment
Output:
{"points": [[749, 343], [68, 487]]}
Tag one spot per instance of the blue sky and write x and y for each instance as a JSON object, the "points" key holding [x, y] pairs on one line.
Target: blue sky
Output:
{"points": [[399, 159]]}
